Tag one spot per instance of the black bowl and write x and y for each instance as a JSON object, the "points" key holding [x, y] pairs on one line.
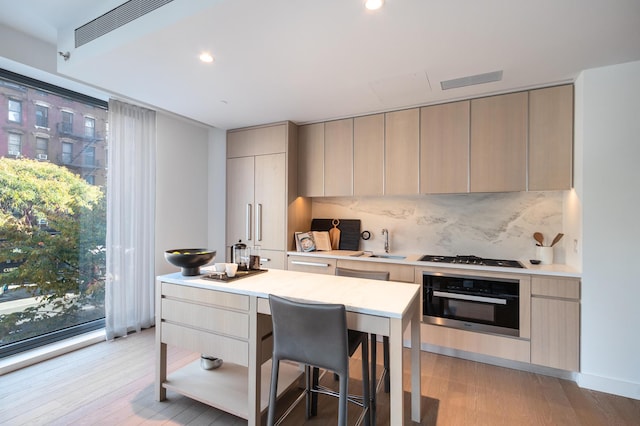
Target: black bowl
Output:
{"points": [[190, 260]]}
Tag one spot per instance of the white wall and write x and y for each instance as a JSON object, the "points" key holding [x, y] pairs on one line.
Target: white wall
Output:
{"points": [[182, 182], [608, 139]]}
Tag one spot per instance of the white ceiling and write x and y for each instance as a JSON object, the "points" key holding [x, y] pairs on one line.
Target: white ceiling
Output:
{"points": [[310, 61]]}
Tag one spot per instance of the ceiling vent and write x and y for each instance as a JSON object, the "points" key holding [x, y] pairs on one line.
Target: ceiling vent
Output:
{"points": [[115, 18], [471, 80]]}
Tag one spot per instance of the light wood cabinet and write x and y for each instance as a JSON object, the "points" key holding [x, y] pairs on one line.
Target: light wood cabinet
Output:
{"points": [[499, 143], [316, 265], [402, 273], [368, 155], [338, 158], [256, 201], [402, 152], [555, 322], [311, 160], [444, 148], [261, 208], [551, 138]]}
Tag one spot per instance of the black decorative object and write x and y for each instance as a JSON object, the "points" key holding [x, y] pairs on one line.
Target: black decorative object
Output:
{"points": [[190, 260]]}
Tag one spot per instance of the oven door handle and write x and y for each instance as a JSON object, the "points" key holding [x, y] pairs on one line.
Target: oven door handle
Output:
{"points": [[493, 300]]}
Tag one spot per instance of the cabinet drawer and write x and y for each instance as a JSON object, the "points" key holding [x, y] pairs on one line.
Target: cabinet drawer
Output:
{"points": [[555, 287], [208, 297], [272, 259], [209, 318], [312, 264], [404, 273], [227, 348]]}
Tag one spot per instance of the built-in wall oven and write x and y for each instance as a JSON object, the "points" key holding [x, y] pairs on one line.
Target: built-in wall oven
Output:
{"points": [[483, 304]]}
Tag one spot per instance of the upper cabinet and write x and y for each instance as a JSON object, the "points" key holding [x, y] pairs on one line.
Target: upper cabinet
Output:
{"points": [[444, 148], [368, 155], [311, 160], [402, 152], [338, 158], [504, 143], [498, 160], [551, 138]]}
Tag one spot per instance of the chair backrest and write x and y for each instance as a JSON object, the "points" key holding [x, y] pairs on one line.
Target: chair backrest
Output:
{"points": [[310, 333], [372, 275]]}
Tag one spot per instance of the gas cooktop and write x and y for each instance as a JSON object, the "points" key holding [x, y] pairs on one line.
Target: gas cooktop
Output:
{"points": [[472, 260]]}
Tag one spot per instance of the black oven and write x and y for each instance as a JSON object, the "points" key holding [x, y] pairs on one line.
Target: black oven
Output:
{"points": [[472, 303]]}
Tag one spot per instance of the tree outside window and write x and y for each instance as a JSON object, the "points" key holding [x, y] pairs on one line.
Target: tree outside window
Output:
{"points": [[42, 116], [15, 111]]}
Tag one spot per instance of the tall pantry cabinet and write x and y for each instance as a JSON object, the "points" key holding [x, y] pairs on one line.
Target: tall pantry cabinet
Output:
{"points": [[262, 209]]}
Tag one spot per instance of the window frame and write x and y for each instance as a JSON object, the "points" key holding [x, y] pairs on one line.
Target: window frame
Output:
{"points": [[10, 111]]}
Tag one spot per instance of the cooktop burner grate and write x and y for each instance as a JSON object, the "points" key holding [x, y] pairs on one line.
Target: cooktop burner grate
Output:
{"points": [[471, 260]]}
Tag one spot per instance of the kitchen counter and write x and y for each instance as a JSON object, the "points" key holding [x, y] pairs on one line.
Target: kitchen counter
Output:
{"points": [[555, 270], [230, 320]]}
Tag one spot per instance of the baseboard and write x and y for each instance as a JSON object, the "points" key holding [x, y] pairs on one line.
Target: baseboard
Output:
{"points": [[24, 359], [609, 385]]}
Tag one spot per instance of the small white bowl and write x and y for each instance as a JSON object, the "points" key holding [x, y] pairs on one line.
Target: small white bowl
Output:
{"points": [[209, 362]]}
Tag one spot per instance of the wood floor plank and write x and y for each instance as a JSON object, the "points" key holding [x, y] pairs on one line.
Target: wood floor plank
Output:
{"points": [[111, 383]]}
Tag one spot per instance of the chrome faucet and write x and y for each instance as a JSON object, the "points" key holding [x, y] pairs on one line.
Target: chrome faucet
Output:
{"points": [[385, 232]]}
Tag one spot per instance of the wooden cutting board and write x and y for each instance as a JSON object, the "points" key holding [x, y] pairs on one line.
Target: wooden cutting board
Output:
{"points": [[349, 231]]}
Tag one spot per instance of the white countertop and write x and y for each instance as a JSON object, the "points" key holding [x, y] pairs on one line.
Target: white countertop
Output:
{"points": [[556, 270], [373, 297]]}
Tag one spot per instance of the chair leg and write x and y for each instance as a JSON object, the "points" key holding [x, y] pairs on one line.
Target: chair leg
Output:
{"points": [[367, 399], [275, 367], [314, 396], [387, 379], [342, 400], [372, 377]]}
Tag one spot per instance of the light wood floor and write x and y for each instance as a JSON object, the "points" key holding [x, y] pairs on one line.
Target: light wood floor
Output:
{"points": [[111, 383]]}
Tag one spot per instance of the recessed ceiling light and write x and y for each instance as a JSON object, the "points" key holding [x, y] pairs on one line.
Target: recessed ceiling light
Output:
{"points": [[206, 57], [373, 4]]}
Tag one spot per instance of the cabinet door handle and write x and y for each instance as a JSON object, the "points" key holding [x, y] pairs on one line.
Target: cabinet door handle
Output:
{"points": [[259, 222], [248, 223], [319, 265]]}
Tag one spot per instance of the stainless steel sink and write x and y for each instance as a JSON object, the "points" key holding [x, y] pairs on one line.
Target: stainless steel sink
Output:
{"points": [[382, 255], [388, 256]]}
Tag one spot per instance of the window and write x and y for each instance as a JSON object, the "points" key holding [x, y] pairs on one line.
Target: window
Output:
{"points": [[52, 257], [67, 122], [15, 144], [89, 127], [90, 156], [67, 152], [42, 116], [15, 111], [42, 148]]}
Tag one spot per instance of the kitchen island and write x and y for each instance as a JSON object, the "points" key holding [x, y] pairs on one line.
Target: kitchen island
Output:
{"points": [[231, 320]]}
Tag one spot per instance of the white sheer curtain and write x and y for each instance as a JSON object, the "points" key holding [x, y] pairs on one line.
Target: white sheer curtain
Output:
{"points": [[129, 298]]}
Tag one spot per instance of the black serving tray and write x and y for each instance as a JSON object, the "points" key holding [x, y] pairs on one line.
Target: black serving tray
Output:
{"points": [[239, 275]]}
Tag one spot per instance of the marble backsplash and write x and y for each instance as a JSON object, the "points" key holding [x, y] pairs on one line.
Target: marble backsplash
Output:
{"points": [[492, 225]]}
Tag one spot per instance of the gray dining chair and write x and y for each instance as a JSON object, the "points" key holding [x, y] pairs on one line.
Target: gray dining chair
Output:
{"points": [[384, 378], [316, 335]]}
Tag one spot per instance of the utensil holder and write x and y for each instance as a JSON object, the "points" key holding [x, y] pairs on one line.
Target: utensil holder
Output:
{"points": [[545, 255]]}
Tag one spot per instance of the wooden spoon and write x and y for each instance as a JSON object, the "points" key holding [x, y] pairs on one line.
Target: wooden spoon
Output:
{"points": [[539, 238], [556, 239]]}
